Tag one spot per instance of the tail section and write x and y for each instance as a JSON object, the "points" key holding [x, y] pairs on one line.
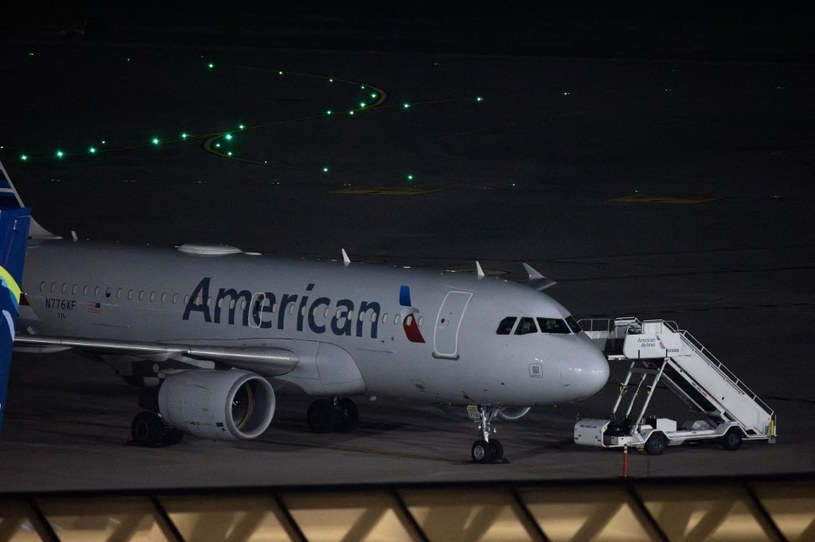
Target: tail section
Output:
{"points": [[14, 225]]}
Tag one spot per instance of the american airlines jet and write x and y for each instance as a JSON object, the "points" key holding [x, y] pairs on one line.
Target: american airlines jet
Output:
{"points": [[216, 334]]}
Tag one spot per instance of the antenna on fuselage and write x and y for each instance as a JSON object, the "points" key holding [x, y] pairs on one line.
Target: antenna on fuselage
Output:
{"points": [[479, 271], [346, 261]]}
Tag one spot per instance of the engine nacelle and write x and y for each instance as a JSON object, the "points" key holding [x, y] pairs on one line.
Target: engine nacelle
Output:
{"points": [[223, 405], [513, 414]]}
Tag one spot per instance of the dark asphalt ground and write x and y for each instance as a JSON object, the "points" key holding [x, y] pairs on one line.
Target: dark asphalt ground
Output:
{"points": [[657, 188]]}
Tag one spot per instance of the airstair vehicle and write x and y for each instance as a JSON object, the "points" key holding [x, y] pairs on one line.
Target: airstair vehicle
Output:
{"points": [[660, 353]]}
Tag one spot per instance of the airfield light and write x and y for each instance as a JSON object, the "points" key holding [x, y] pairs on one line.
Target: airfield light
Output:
{"points": [[184, 136], [479, 98], [104, 142], [280, 72], [351, 112], [155, 141], [405, 105], [211, 65], [92, 149], [328, 112], [60, 154], [229, 153], [362, 105], [410, 177], [325, 169], [24, 157], [228, 137], [241, 126], [217, 145], [373, 95]]}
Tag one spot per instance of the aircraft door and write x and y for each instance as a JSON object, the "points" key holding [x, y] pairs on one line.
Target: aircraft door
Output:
{"points": [[448, 322]]}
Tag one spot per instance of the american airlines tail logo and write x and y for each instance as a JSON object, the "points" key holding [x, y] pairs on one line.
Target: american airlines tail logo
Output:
{"points": [[409, 322]]}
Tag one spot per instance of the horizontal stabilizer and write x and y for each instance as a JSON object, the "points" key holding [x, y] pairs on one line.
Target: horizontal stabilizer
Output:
{"points": [[262, 360], [536, 280]]}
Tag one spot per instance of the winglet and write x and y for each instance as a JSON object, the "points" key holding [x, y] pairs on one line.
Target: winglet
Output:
{"points": [[14, 223], [346, 261], [536, 280], [479, 270]]}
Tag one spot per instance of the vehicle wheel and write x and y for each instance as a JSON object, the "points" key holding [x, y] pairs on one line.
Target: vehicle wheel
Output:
{"points": [[655, 445], [172, 437], [499, 449], [347, 415], [483, 451], [147, 428], [732, 439], [322, 416]]}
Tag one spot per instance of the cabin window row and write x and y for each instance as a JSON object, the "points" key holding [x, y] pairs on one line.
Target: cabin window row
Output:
{"points": [[173, 299], [523, 325]]}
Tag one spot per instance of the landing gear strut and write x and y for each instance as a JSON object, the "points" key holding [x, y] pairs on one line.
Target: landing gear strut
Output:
{"points": [[486, 449], [337, 414]]}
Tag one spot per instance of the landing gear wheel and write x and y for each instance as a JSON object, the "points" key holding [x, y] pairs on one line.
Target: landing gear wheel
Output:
{"points": [[347, 415], [483, 451], [655, 445], [732, 439], [322, 416], [499, 449], [147, 429]]}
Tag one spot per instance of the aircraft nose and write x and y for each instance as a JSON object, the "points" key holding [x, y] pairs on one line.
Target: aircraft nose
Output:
{"points": [[593, 372]]}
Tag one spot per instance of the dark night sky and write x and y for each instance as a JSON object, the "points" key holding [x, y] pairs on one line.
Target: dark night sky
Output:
{"points": [[709, 30]]}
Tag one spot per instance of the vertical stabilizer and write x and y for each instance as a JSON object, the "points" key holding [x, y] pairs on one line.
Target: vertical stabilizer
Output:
{"points": [[14, 223]]}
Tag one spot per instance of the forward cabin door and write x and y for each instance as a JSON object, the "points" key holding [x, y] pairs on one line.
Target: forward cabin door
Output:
{"points": [[448, 322]]}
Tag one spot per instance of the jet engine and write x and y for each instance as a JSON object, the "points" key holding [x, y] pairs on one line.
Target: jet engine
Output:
{"points": [[222, 405], [513, 414]]}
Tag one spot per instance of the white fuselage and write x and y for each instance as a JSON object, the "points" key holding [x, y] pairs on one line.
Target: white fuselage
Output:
{"points": [[356, 329]]}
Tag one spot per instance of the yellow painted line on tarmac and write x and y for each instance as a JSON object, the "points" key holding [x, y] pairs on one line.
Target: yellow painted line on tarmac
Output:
{"points": [[674, 199], [383, 190]]}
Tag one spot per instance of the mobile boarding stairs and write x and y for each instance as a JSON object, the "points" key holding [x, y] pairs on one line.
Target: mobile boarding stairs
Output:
{"points": [[659, 352]]}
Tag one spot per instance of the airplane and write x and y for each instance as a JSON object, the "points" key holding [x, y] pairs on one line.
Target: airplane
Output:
{"points": [[214, 334], [14, 224]]}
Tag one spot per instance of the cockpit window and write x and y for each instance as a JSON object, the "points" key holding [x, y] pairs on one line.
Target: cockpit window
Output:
{"points": [[505, 327], [573, 325], [526, 325], [553, 325]]}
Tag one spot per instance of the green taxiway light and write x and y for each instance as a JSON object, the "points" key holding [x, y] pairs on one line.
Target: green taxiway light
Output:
{"points": [[241, 126], [328, 112], [325, 169], [92, 150], [24, 157], [229, 153], [373, 94], [228, 137], [60, 154], [409, 177], [155, 141], [405, 105], [184, 135], [211, 65], [351, 113], [479, 98]]}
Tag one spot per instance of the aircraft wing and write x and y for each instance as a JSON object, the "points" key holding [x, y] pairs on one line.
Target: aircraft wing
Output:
{"points": [[262, 360]]}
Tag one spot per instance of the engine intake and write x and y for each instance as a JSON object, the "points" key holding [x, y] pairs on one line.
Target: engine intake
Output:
{"points": [[222, 405]]}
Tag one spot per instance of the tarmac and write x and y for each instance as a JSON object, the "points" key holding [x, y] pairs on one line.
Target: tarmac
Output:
{"points": [[650, 188]]}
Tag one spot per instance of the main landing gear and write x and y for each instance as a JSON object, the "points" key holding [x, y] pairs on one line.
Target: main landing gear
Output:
{"points": [[486, 449], [337, 414], [148, 429]]}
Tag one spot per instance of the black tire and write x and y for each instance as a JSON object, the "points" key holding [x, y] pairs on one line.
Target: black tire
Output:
{"points": [[656, 444], [322, 416], [732, 439], [147, 429], [347, 415], [483, 451], [499, 449]]}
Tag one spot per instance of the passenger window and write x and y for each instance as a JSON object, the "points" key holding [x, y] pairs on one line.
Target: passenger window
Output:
{"points": [[525, 326], [175, 299], [505, 327], [64, 288], [553, 325]]}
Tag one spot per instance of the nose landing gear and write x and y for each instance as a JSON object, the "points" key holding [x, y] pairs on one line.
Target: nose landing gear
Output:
{"points": [[486, 449]]}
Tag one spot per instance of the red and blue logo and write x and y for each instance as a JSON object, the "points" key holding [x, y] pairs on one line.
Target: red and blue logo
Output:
{"points": [[409, 320]]}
